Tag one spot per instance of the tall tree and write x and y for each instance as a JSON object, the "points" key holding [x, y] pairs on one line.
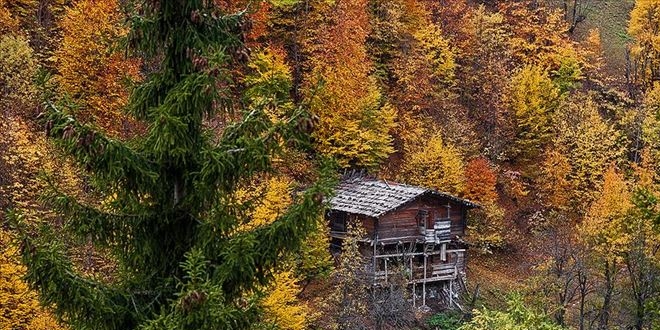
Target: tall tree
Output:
{"points": [[8, 23], [282, 307], [483, 67], [650, 128], [554, 185], [486, 223], [18, 67], [19, 307], [350, 297], [642, 256], [602, 232], [517, 316], [168, 216], [480, 181]]}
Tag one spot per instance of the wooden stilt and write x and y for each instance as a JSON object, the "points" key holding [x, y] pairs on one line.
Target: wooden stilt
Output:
{"points": [[374, 261], [424, 283], [414, 295], [412, 278], [451, 293]]}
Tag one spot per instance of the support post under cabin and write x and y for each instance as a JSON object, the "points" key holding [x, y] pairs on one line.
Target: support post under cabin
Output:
{"points": [[412, 279], [451, 293], [424, 282], [374, 260]]}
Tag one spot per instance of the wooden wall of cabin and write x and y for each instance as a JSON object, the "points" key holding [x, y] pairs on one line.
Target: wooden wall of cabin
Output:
{"points": [[403, 222], [338, 222]]}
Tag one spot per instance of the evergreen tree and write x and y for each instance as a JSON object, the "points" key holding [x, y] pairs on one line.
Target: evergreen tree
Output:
{"points": [[168, 216]]}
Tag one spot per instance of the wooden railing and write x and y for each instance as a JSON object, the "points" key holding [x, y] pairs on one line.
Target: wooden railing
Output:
{"points": [[437, 271]]}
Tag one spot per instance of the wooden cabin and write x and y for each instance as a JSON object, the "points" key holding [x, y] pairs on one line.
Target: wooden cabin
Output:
{"points": [[416, 229]]}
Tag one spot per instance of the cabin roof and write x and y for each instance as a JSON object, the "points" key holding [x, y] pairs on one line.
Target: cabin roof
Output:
{"points": [[374, 198]]}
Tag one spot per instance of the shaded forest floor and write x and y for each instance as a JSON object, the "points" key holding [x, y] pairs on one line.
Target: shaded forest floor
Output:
{"points": [[610, 17], [497, 274]]}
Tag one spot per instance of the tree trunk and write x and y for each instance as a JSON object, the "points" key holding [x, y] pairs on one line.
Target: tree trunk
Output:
{"points": [[639, 314], [604, 318], [583, 295]]}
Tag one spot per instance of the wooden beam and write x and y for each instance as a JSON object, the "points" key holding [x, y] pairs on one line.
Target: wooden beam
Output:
{"points": [[402, 238], [417, 253], [434, 279]]}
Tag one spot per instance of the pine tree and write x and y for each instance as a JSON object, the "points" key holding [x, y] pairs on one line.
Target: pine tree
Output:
{"points": [[168, 215]]}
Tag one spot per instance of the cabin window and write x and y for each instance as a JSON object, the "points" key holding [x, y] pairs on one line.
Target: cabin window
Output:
{"points": [[422, 216], [448, 208], [339, 221]]}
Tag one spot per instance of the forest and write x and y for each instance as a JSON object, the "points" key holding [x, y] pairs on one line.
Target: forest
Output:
{"points": [[166, 164]]}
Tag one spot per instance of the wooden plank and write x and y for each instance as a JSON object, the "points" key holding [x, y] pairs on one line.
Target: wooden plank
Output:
{"points": [[412, 254], [435, 279]]}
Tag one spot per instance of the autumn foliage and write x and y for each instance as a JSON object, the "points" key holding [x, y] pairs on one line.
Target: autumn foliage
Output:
{"points": [[480, 181], [551, 126], [92, 69], [354, 120], [19, 306], [436, 164]]}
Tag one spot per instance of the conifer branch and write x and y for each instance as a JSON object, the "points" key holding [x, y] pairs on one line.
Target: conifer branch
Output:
{"points": [[112, 161]]}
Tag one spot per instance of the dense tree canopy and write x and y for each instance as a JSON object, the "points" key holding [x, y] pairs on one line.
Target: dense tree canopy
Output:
{"points": [[167, 162]]}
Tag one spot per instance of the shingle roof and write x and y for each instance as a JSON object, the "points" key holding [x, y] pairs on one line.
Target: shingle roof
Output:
{"points": [[374, 198]]}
